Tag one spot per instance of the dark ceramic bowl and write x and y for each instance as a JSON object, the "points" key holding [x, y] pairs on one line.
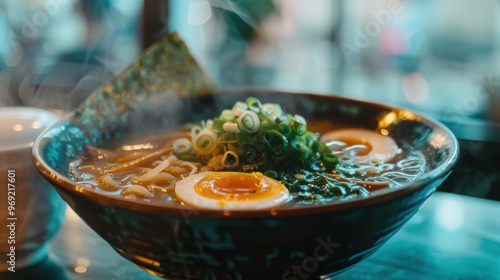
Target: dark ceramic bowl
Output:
{"points": [[291, 243]]}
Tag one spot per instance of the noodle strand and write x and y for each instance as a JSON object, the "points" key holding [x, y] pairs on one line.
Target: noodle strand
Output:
{"points": [[137, 161], [150, 175], [368, 184]]}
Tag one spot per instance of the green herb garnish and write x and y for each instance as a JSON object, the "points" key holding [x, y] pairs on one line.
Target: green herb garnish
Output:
{"points": [[253, 136]]}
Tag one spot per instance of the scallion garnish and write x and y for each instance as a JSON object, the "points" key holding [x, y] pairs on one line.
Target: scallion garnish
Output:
{"points": [[231, 127], [182, 145], [230, 159], [248, 121], [205, 142], [252, 136], [254, 104]]}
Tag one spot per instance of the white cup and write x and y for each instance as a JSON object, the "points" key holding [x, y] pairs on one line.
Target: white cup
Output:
{"points": [[31, 211]]}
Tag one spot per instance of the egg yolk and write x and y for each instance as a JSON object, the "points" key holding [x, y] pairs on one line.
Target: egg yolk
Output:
{"points": [[228, 190], [236, 186], [363, 145]]}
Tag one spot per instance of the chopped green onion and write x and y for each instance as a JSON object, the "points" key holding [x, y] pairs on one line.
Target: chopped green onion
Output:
{"points": [[208, 124], [249, 121], [205, 142], [231, 127], [182, 145], [275, 142], [300, 119], [217, 125], [271, 109], [285, 129], [268, 108], [227, 115], [299, 149], [310, 138], [254, 104], [240, 105], [298, 125], [323, 148], [238, 108], [195, 130], [265, 126], [282, 118], [330, 159], [230, 160]]}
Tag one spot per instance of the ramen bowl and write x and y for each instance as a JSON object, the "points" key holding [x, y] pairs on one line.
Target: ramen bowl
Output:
{"points": [[310, 241]]}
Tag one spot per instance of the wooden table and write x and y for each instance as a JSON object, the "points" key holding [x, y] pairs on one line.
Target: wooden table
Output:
{"points": [[451, 237]]}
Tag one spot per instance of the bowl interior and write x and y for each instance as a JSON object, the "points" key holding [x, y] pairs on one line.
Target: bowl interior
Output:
{"points": [[65, 141]]}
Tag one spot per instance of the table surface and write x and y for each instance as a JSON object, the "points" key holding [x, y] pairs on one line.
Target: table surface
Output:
{"points": [[451, 237]]}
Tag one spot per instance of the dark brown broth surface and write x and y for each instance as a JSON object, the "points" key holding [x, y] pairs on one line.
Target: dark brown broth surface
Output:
{"points": [[407, 165]]}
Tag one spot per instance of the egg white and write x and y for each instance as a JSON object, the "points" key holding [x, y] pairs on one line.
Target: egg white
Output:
{"points": [[384, 148], [185, 191]]}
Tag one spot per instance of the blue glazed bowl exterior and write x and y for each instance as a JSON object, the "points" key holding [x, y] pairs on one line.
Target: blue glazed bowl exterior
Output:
{"points": [[291, 243]]}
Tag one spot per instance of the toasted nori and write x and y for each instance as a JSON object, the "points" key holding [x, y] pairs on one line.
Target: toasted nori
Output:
{"points": [[165, 70]]}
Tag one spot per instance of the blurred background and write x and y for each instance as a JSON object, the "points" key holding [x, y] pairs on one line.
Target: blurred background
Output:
{"points": [[440, 58]]}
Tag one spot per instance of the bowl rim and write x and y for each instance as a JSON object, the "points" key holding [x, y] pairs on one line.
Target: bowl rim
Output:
{"points": [[64, 184]]}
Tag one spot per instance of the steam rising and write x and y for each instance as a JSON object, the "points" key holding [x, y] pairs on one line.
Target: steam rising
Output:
{"points": [[199, 12], [235, 7]]}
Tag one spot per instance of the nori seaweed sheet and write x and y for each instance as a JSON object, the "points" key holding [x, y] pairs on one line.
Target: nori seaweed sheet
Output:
{"points": [[166, 70]]}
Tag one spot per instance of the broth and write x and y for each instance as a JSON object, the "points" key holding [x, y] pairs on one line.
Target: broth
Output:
{"points": [[131, 171]]}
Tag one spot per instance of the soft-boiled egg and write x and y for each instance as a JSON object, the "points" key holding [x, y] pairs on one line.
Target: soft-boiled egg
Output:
{"points": [[362, 145], [231, 191]]}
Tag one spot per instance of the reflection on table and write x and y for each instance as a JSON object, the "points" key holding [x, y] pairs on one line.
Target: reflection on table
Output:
{"points": [[451, 237]]}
